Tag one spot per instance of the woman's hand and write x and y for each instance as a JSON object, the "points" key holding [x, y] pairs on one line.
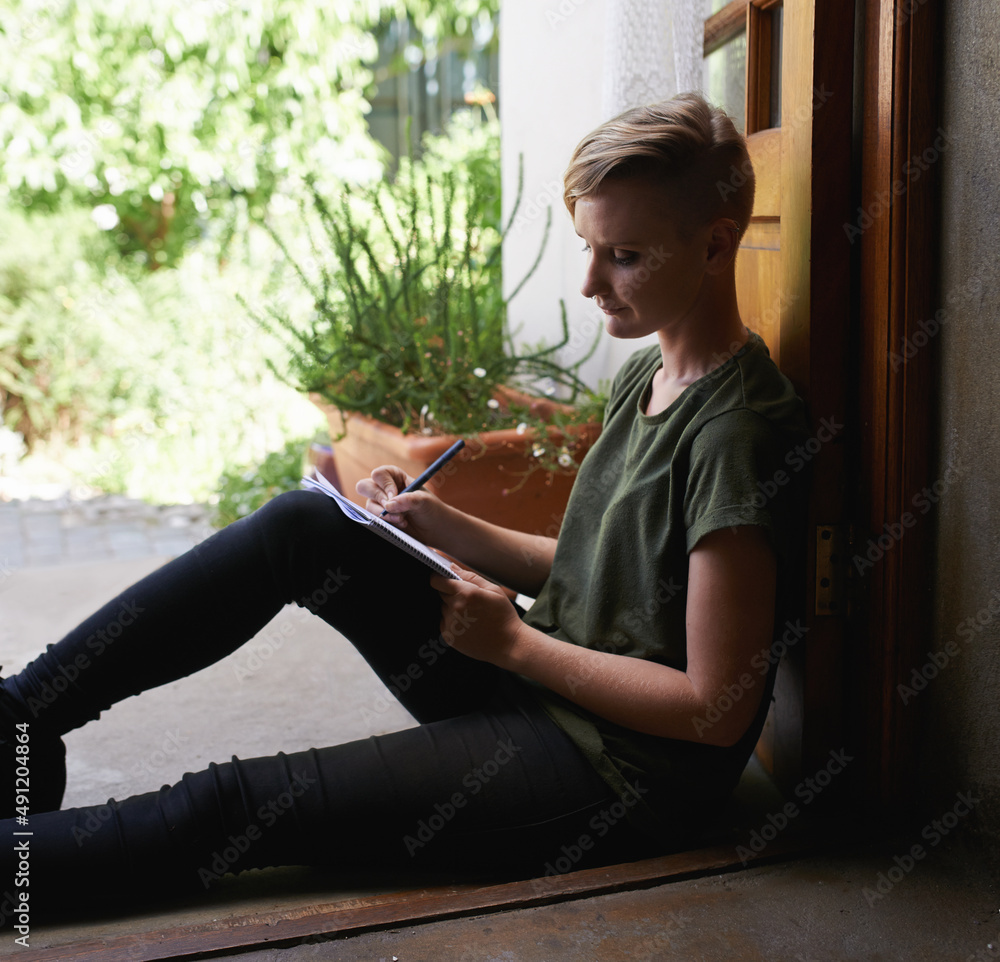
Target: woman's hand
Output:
{"points": [[478, 618], [419, 513], [513, 558]]}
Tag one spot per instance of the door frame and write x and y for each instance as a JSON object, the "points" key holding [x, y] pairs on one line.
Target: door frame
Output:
{"points": [[896, 271]]}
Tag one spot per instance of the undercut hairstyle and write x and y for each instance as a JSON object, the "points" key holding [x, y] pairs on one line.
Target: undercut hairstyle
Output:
{"points": [[687, 148]]}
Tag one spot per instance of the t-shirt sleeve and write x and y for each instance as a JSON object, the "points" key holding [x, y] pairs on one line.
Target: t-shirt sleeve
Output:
{"points": [[735, 477]]}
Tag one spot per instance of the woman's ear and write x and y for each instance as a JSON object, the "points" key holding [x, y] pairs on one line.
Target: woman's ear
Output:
{"points": [[723, 243]]}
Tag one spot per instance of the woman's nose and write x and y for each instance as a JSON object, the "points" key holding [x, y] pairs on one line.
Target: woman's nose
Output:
{"points": [[593, 282]]}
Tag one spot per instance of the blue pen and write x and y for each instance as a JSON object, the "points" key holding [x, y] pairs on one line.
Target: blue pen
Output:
{"points": [[432, 470]]}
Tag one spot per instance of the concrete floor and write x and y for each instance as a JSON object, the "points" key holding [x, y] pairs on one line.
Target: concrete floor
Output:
{"points": [[803, 911], [296, 685], [299, 684]]}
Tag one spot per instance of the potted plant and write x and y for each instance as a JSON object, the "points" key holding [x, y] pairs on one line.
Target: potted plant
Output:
{"points": [[407, 346]]}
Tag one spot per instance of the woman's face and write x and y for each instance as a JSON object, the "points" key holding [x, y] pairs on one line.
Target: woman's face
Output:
{"points": [[640, 271]]}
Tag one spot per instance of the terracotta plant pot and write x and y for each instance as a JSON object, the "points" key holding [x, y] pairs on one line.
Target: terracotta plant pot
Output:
{"points": [[487, 478]]}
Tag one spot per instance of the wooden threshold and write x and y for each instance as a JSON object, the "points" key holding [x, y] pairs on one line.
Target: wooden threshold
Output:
{"points": [[289, 927]]}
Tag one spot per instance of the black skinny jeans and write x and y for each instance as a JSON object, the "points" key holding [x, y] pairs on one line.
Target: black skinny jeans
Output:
{"points": [[486, 783]]}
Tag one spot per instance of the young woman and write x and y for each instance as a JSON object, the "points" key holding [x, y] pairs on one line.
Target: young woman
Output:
{"points": [[606, 723]]}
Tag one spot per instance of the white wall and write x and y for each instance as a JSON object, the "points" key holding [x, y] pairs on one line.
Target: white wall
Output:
{"points": [[552, 63]]}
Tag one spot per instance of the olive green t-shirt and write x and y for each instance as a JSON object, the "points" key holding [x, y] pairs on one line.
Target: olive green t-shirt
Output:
{"points": [[649, 489]]}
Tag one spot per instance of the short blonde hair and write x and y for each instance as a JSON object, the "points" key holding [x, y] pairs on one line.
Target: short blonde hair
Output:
{"points": [[685, 146]]}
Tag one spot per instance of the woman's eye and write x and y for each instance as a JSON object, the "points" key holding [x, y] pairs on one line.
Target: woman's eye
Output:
{"points": [[619, 258]]}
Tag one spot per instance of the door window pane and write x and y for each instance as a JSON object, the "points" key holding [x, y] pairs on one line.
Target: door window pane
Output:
{"points": [[777, 22], [724, 80]]}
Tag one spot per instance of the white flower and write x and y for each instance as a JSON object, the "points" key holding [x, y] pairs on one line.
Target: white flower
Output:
{"points": [[479, 371], [105, 216], [522, 427], [565, 459], [493, 403], [537, 451]]}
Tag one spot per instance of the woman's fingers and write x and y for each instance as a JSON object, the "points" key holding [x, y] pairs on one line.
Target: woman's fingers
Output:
{"points": [[417, 512], [385, 482], [477, 618], [448, 587], [390, 479]]}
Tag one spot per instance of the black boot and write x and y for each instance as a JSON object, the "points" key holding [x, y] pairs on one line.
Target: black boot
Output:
{"points": [[33, 759]]}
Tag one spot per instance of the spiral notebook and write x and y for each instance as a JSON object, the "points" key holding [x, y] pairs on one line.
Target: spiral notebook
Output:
{"points": [[382, 528]]}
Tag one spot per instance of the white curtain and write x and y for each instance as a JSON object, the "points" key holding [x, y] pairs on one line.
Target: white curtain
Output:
{"points": [[653, 51]]}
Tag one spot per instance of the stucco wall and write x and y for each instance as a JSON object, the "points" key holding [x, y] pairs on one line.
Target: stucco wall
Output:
{"points": [[962, 710]]}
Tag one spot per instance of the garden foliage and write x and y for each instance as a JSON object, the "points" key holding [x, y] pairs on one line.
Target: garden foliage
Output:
{"points": [[183, 118], [124, 380], [407, 318]]}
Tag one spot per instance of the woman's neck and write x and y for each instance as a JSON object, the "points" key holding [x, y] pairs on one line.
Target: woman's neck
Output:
{"points": [[706, 338]]}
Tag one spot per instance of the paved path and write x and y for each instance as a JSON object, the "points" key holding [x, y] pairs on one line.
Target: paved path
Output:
{"points": [[297, 684], [38, 532]]}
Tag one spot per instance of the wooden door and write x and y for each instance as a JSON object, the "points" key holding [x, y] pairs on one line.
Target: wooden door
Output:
{"points": [[793, 277]]}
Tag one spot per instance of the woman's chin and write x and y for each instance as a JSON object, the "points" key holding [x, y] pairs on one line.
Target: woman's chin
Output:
{"points": [[618, 327]]}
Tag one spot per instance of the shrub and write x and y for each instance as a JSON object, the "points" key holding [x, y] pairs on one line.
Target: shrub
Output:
{"points": [[243, 490], [128, 381]]}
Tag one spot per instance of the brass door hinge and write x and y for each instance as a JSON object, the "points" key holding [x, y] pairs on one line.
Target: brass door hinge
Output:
{"points": [[832, 548]]}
